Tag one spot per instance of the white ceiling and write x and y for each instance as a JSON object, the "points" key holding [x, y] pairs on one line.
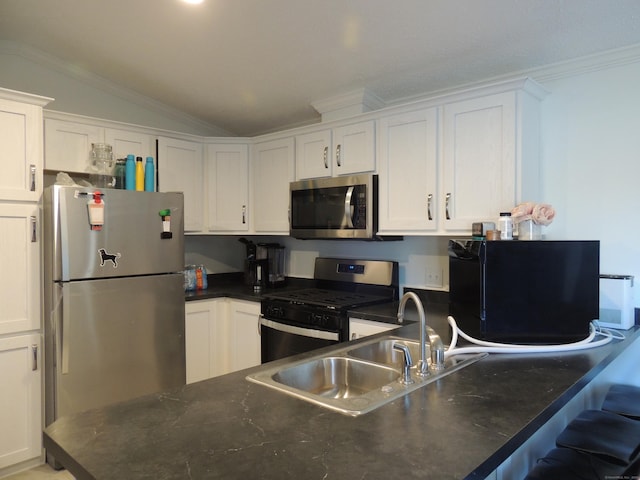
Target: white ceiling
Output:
{"points": [[253, 66]]}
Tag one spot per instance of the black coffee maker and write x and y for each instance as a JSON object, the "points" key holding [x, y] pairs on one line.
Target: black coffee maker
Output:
{"points": [[274, 254], [255, 269]]}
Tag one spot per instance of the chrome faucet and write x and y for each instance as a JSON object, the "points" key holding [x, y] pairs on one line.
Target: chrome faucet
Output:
{"points": [[435, 342]]}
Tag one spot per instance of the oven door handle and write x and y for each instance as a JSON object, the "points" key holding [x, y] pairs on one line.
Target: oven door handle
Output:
{"points": [[303, 332]]}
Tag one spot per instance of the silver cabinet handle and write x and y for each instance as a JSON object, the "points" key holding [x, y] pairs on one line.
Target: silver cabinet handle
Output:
{"points": [[326, 157], [34, 353], [244, 214], [34, 228], [338, 160], [32, 168], [446, 206], [348, 209], [429, 201]]}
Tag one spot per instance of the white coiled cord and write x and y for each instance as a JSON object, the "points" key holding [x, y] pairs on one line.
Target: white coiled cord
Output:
{"points": [[493, 347]]}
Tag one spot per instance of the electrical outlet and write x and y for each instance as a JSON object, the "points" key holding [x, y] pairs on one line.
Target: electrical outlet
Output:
{"points": [[434, 277]]}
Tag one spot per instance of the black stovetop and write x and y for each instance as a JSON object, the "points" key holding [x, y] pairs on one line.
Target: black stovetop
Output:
{"points": [[327, 298]]}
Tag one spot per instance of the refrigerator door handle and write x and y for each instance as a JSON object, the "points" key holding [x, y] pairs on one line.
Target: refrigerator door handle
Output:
{"points": [[62, 337]]}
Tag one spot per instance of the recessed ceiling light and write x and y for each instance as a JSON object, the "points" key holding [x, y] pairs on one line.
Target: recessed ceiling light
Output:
{"points": [[193, 2]]}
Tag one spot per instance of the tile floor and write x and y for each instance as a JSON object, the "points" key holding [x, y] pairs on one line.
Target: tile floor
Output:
{"points": [[43, 472]]}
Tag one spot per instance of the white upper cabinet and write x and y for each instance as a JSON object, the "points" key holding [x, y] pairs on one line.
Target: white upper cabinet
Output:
{"points": [[21, 146], [479, 172], [181, 169], [408, 172], [228, 187], [68, 145], [20, 262], [272, 168], [126, 142], [459, 160], [490, 156], [344, 150], [313, 155], [354, 148]]}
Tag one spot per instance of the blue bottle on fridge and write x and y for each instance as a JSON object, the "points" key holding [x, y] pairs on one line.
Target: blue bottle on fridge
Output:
{"points": [[130, 173], [149, 176]]}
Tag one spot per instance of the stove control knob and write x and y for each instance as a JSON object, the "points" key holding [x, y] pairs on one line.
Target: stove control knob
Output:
{"points": [[275, 312]]}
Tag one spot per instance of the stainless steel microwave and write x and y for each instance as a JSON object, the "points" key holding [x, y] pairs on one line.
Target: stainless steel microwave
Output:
{"points": [[340, 207]]}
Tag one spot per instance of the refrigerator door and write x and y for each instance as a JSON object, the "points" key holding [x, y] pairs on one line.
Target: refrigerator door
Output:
{"points": [[115, 339], [131, 240]]}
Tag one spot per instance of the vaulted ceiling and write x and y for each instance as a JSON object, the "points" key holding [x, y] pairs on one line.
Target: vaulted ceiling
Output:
{"points": [[253, 66]]}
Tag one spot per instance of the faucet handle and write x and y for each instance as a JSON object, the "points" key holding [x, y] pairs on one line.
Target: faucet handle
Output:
{"points": [[405, 379]]}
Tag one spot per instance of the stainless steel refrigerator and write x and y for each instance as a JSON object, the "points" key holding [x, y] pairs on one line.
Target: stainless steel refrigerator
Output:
{"points": [[113, 296]]}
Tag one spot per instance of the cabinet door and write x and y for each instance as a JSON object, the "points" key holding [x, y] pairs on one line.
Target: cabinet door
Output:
{"points": [[205, 340], [20, 397], [228, 187], [125, 142], [408, 172], [272, 169], [245, 338], [20, 267], [180, 169], [20, 151], [354, 148], [479, 161], [313, 155], [67, 145], [359, 328]]}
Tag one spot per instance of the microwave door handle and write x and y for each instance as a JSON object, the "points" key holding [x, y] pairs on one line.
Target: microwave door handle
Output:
{"points": [[348, 208]]}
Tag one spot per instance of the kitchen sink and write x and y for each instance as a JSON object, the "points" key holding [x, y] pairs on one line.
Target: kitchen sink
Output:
{"points": [[354, 380], [336, 377], [383, 352]]}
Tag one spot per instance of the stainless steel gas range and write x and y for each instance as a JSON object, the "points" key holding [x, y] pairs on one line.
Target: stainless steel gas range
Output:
{"points": [[298, 321]]}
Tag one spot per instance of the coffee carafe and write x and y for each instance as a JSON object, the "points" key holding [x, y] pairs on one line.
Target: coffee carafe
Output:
{"points": [[255, 269], [274, 253]]}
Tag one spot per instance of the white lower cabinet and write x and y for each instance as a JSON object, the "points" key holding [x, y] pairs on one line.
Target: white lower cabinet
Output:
{"points": [[204, 340], [244, 339], [20, 399], [221, 336], [359, 328]]}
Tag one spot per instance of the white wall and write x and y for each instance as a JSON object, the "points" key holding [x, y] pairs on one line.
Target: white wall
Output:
{"points": [[591, 163]]}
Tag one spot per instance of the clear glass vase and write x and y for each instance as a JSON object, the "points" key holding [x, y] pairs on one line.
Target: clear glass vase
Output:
{"points": [[529, 230]]}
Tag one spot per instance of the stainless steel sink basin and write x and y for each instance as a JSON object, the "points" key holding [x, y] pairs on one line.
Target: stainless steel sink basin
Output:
{"points": [[354, 379], [383, 352], [336, 377]]}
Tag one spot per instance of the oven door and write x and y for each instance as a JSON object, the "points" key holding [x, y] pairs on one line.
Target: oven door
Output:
{"points": [[280, 340]]}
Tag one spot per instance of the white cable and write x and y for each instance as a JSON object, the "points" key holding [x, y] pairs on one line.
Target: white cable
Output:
{"points": [[493, 347]]}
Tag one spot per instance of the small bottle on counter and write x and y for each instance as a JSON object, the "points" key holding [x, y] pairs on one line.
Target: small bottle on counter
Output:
{"points": [[130, 173], [505, 225], [149, 176], [139, 175]]}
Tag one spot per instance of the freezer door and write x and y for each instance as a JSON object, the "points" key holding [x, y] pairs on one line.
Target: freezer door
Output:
{"points": [[115, 339], [131, 240]]}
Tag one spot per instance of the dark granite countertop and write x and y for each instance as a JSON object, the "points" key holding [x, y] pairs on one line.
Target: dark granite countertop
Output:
{"points": [[462, 426]]}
